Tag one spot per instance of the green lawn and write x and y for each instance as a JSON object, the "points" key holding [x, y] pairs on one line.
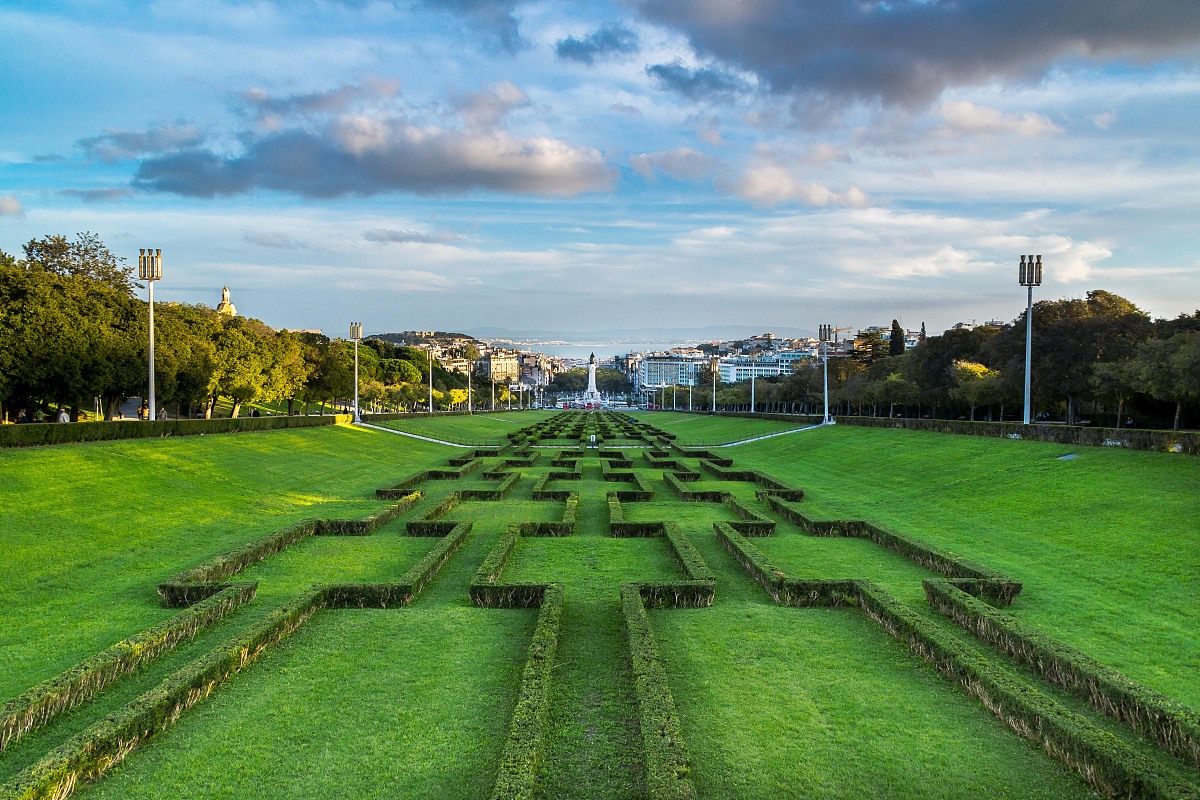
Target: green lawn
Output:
{"points": [[705, 429], [1106, 544], [416, 701], [476, 429], [88, 530]]}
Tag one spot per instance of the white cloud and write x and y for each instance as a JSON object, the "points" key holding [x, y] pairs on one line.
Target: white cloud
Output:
{"points": [[683, 163], [10, 207], [771, 184], [964, 117]]}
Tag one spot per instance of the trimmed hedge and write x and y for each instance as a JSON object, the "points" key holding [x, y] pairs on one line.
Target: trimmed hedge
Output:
{"points": [[689, 496], [506, 485], [85, 680], [564, 528], [969, 575], [487, 592], [753, 523], [1175, 727], [520, 763], [36, 434], [1103, 760], [88, 755], [410, 483], [668, 775], [540, 492], [1154, 441], [367, 525], [770, 485], [404, 591]]}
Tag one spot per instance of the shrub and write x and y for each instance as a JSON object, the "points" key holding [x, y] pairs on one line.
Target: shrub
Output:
{"points": [[54, 433]]}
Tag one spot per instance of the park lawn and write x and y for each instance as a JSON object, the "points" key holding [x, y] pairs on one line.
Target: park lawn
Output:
{"points": [[477, 429], [407, 702], [88, 530], [706, 429], [1106, 544]]}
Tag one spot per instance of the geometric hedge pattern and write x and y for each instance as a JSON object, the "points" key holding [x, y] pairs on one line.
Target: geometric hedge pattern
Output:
{"points": [[580, 469]]}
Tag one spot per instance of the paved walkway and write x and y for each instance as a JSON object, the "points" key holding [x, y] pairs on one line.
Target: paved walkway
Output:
{"points": [[769, 436], [418, 436]]}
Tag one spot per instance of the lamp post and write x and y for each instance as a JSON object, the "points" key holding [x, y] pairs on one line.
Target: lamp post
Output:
{"points": [[1030, 276], [753, 370], [714, 377], [470, 409], [431, 379], [826, 332], [150, 270], [356, 336], [673, 408]]}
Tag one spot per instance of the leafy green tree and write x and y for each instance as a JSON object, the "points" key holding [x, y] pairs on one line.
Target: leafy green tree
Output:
{"points": [[975, 384], [1116, 381], [896, 340], [1170, 369], [869, 347], [895, 388], [84, 257]]}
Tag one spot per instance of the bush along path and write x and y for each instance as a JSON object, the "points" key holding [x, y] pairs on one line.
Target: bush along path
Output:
{"points": [[621, 559]]}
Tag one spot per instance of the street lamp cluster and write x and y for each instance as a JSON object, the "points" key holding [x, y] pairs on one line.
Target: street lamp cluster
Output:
{"points": [[356, 335], [1030, 276], [150, 270]]}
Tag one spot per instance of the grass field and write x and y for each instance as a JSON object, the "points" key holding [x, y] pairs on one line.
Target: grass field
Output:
{"points": [[415, 701], [477, 429], [703, 429]]}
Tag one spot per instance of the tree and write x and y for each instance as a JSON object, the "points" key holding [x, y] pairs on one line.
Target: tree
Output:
{"points": [[896, 340], [975, 384], [869, 347], [895, 388], [1170, 369], [1117, 381], [85, 257]]}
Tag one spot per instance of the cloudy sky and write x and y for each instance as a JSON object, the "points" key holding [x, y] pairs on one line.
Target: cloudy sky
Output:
{"points": [[453, 164]]}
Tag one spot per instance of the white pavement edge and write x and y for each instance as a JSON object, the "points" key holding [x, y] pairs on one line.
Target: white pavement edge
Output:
{"points": [[417, 436], [770, 436]]}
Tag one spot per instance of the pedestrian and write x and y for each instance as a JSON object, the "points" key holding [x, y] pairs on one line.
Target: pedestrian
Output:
{"points": [[22, 417], [63, 416], [162, 413]]}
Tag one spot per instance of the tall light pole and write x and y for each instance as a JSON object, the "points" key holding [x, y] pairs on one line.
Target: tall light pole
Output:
{"points": [[356, 336], [1030, 276], [431, 379], [150, 270], [714, 376], [826, 332], [470, 409], [752, 371]]}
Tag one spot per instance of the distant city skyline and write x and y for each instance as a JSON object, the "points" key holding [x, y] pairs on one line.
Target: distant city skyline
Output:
{"points": [[587, 166]]}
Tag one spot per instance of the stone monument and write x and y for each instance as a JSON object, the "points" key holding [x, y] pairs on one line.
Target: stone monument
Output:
{"points": [[225, 308], [592, 395]]}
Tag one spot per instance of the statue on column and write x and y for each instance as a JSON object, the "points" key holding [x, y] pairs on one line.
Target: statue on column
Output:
{"points": [[592, 395], [225, 308]]}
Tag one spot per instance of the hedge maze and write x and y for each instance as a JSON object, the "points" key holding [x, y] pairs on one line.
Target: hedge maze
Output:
{"points": [[597, 524]]}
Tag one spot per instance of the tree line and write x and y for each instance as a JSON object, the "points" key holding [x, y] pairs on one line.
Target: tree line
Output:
{"points": [[1096, 359], [71, 331]]}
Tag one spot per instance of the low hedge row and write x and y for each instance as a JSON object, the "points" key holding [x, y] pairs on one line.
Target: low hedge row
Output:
{"points": [[540, 492], [689, 496], [565, 527], [689, 558], [85, 680], [89, 754], [520, 763], [770, 485], [509, 480], [1155, 441], [1102, 759], [428, 524], [368, 525], [752, 523], [979, 579], [704, 455], [409, 484], [405, 590], [486, 591], [668, 775], [1172, 725], [37, 434]]}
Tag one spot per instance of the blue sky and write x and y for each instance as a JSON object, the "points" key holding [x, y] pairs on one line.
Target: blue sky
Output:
{"points": [[582, 166]]}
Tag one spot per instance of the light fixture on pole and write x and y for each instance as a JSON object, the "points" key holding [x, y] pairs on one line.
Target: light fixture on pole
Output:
{"points": [[753, 370], [470, 372], [430, 378], [356, 336], [150, 270], [826, 331], [1030, 276]]}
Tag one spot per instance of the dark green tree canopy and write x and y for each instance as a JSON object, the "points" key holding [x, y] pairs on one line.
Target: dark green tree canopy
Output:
{"points": [[84, 257]]}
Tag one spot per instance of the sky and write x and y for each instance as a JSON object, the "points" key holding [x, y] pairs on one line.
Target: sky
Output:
{"points": [[582, 166]]}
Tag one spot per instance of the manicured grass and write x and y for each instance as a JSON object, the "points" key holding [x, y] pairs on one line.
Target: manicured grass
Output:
{"points": [[702, 429], [1106, 544], [88, 530], [395, 702], [415, 701], [481, 429]]}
